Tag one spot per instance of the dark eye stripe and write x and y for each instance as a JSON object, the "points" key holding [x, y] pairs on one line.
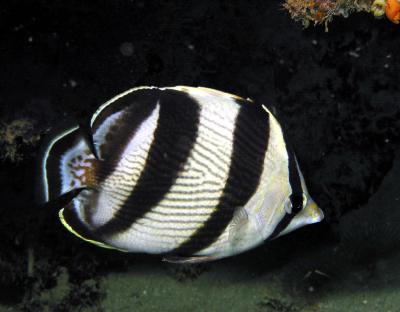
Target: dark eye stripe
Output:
{"points": [[296, 198], [295, 182]]}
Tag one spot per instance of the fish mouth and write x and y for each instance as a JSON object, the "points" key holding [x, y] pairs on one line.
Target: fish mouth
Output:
{"points": [[314, 213]]}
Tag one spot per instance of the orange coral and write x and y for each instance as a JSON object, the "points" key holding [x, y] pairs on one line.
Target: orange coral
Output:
{"points": [[393, 11]]}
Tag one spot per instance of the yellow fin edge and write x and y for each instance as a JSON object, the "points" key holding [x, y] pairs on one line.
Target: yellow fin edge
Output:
{"points": [[69, 228]]}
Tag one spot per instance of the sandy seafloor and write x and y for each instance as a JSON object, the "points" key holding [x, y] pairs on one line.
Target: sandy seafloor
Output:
{"points": [[336, 94]]}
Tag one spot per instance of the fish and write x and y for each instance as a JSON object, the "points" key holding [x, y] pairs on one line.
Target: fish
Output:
{"points": [[192, 174]]}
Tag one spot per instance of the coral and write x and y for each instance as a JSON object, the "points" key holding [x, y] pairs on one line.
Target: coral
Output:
{"points": [[63, 295], [392, 11], [14, 135], [322, 11], [306, 11], [378, 8]]}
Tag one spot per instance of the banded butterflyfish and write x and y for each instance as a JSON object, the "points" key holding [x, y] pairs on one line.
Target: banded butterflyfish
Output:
{"points": [[194, 174]]}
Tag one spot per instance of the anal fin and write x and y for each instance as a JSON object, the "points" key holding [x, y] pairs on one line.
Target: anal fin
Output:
{"points": [[73, 223], [188, 260]]}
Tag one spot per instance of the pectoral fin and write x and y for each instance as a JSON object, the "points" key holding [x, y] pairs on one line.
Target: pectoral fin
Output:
{"points": [[238, 225]]}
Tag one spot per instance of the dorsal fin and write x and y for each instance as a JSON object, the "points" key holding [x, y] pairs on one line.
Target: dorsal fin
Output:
{"points": [[65, 163]]}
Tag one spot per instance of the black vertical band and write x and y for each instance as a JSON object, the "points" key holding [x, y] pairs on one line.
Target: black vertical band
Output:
{"points": [[136, 107], [173, 141], [250, 143]]}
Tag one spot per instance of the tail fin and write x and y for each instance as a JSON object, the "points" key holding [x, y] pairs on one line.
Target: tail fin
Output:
{"points": [[66, 164]]}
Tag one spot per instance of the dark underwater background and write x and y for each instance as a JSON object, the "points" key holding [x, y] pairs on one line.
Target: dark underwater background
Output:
{"points": [[336, 94]]}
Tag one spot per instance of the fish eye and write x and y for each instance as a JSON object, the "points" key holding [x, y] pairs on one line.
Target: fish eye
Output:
{"points": [[295, 199], [289, 205], [296, 202]]}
